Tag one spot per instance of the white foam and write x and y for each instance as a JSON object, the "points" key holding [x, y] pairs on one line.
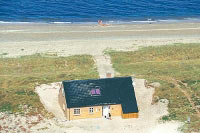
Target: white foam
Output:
{"points": [[147, 21], [5, 31], [6, 22], [179, 20], [61, 22]]}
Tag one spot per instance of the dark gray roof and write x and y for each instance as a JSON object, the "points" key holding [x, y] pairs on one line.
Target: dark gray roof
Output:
{"points": [[118, 90]]}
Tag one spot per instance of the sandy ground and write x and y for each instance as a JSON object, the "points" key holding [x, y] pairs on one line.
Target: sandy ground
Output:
{"points": [[49, 98], [16, 40], [65, 40], [148, 121], [104, 65]]}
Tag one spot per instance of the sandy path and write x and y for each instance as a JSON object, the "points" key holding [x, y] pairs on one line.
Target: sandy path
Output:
{"points": [[104, 65]]}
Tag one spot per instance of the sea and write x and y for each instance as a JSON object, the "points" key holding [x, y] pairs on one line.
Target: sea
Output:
{"points": [[90, 11]]}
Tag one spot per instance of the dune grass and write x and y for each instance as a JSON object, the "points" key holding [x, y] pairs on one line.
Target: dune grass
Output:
{"points": [[177, 68], [20, 76]]}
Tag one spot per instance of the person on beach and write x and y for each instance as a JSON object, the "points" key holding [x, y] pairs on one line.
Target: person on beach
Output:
{"points": [[100, 22], [109, 116]]}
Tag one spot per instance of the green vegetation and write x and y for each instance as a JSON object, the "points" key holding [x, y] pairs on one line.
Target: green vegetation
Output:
{"points": [[177, 68], [20, 76]]}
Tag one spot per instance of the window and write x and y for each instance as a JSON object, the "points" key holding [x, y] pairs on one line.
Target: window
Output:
{"points": [[95, 91], [77, 111], [91, 110]]}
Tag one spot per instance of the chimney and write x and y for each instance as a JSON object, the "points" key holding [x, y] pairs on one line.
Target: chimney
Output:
{"points": [[108, 74]]}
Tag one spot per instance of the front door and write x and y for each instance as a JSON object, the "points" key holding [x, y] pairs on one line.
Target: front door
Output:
{"points": [[106, 111]]}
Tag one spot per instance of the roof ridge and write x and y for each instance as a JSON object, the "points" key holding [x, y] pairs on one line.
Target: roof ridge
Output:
{"points": [[96, 79]]}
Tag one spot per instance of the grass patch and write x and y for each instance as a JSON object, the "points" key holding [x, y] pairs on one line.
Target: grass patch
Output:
{"points": [[164, 64], [20, 76]]}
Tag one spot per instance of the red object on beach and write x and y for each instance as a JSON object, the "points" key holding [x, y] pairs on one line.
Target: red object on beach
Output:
{"points": [[100, 22]]}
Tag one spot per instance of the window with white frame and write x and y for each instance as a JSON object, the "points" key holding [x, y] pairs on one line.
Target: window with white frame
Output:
{"points": [[91, 110], [77, 111]]}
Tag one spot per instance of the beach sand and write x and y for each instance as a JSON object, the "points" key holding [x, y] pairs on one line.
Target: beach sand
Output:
{"points": [[26, 39], [65, 40]]}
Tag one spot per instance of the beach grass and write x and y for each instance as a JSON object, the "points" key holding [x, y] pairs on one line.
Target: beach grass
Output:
{"points": [[19, 77], [177, 68]]}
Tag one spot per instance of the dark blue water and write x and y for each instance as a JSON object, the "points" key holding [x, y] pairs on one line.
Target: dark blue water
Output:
{"points": [[93, 10]]}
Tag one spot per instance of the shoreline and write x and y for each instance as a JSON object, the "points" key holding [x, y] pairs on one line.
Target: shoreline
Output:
{"points": [[112, 22], [61, 32]]}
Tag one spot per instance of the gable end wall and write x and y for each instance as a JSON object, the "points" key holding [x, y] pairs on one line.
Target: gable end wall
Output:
{"points": [[62, 102]]}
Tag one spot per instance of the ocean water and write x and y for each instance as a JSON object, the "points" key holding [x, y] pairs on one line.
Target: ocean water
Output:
{"points": [[89, 11]]}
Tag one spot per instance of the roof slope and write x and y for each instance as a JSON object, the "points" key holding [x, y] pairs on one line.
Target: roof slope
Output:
{"points": [[118, 90]]}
